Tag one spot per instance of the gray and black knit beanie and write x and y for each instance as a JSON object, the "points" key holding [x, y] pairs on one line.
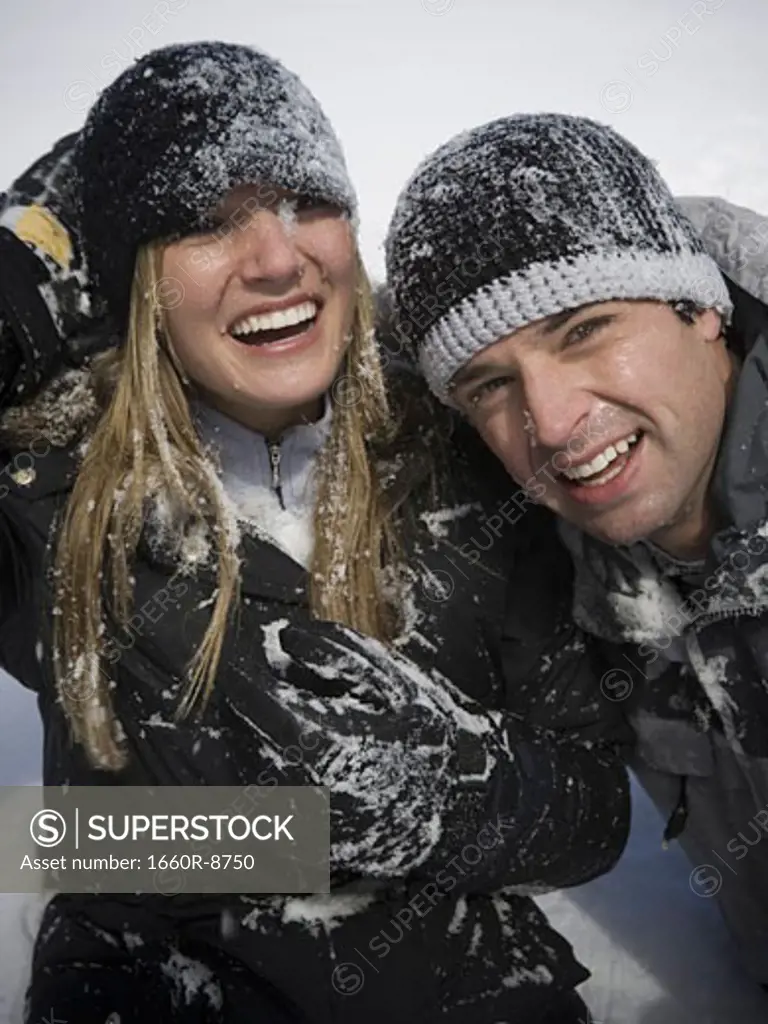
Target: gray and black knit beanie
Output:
{"points": [[528, 216], [176, 131]]}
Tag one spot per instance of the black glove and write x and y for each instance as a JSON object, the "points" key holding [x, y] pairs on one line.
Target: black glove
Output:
{"points": [[49, 318]]}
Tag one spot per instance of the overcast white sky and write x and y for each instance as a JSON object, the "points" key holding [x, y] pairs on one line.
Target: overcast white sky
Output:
{"points": [[687, 80]]}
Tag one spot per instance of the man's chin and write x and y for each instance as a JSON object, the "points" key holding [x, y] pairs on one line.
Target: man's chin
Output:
{"points": [[614, 532]]}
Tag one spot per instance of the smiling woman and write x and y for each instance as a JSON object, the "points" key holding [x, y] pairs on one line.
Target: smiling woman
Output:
{"points": [[267, 305]]}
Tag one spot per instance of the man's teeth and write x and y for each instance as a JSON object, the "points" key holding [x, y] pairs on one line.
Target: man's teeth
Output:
{"points": [[274, 321], [602, 460]]}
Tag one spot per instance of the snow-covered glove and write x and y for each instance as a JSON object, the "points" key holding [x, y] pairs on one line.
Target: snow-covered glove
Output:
{"points": [[49, 320], [390, 742], [418, 772], [735, 237]]}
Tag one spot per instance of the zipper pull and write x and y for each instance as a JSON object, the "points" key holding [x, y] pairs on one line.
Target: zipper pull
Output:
{"points": [[274, 461], [678, 817]]}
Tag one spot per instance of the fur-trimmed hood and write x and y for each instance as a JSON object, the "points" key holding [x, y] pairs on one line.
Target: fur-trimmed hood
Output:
{"points": [[61, 414]]}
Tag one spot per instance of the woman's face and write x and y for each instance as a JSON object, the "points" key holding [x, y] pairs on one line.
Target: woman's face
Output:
{"points": [[259, 309]]}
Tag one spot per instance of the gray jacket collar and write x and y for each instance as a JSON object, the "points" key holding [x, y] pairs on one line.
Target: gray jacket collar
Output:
{"points": [[244, 454]]}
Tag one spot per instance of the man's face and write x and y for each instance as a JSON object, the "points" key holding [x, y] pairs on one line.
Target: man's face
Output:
{"points": [[610, 414]]}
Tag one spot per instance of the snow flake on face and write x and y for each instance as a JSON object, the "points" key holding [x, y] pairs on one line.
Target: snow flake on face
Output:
{"points": [[287, 214]]}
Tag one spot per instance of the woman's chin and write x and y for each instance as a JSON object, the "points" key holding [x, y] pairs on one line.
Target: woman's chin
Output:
{"points": [[262, 409]]}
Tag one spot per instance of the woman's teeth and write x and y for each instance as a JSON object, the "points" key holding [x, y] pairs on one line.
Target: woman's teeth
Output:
{"points": [[597, 466], [275, 321]]}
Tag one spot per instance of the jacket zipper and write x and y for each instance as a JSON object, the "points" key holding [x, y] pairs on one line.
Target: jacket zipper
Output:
{"points": [[747, 610], [273, 447]]}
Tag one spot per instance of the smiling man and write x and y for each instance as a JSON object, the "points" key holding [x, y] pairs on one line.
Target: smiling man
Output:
{"points": [[623, 383]]}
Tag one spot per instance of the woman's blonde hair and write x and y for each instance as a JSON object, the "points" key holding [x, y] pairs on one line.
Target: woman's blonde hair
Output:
{"points": [[144, 441]]}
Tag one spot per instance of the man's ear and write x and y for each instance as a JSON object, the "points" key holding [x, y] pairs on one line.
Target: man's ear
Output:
{"points": [[710, 324]]}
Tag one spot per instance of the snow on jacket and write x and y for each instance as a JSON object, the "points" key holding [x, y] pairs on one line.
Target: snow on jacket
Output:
{"points": [[432, 749], [691, 654], [420, 782]]}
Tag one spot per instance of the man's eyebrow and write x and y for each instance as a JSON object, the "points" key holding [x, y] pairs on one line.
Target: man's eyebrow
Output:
{"points": [[553, 323], [468, 374], [556, 321], [548, 325]]}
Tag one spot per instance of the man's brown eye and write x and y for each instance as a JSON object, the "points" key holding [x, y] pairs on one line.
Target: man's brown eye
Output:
{"points": [[580, 332], [487, 387], [585, 329]]}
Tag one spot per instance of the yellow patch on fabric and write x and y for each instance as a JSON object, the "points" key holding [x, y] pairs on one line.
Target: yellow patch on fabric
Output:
{"points": [[39, 227]]}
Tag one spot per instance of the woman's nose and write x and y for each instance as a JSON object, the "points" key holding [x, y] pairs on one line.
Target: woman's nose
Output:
{"points": [[267, 250]]}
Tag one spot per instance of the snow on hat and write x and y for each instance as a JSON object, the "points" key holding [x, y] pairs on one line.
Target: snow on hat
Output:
{"points": [[528, 216], [179, 129]]}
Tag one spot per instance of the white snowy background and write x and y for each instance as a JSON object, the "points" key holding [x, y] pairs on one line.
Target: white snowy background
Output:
{"points": [[687, 80]]}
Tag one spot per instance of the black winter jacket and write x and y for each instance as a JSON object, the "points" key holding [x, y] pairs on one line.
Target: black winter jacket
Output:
{"points": [[416, 928]]}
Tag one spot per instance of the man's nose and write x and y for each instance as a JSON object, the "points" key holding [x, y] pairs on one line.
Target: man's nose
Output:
{"points": [[557, 403]]}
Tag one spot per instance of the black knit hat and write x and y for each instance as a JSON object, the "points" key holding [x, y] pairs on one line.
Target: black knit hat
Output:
{"points": [[179, 129], [529, 216]]}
